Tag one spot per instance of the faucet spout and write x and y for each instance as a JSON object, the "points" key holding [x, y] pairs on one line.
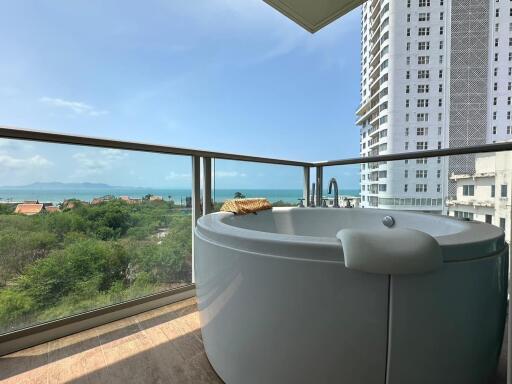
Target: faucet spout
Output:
{"points": [[334, 184]]}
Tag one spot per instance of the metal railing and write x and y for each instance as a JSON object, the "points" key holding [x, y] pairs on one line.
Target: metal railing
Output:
{"points": [[58, 328]]}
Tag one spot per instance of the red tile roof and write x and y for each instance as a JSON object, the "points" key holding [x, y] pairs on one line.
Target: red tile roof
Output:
{"points": [[29, 209]]}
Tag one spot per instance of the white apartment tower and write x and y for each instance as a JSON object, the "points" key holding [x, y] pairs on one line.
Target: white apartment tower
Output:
{"points": [[434, 74]]}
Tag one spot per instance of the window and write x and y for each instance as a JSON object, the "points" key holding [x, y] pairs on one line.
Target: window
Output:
{"points": [[488, 219], [423, 59], [407, 103], [421, 173], [423, 45], [421, 187], [422, 161], [406, 131], [502, 223], [439, 116], [495, 86], [408, 75], [438, 174], [440, 73], [407, 89], [494, 130], [405, 188], [422, 103], [408, 17], [509, 129], [440, 59], [406, 145], [494, 115], [497, 12], [382, 187], [408, 60], [441, 44], [423, 88], [441, 16], [408, 46], [408, 32], [440, 88], [422, 145], [424, 16], [424, 3], [440, 103], [441, 30], [422, 131], [438, 187], [503, 190], [495, 101], [423, 74], [495, 71], [406, 173], [468, 190], [496, 42], [423, 31], [493, 190], [422, 117]]}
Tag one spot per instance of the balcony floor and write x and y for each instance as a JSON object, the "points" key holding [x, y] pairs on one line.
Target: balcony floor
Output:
{"points": [[160, 346]]}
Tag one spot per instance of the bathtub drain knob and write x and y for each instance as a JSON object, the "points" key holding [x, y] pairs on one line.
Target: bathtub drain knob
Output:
{"points": [[388, 221]]}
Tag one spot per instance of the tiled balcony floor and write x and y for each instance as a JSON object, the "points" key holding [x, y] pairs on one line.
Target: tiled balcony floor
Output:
{"points": [[159, 346]]}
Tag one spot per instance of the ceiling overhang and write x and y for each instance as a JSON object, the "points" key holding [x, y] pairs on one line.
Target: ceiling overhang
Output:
{"points": [[313, 15]]}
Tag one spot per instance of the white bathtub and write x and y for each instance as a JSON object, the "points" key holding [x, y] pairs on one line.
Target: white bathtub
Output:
{"points": [[283, 300]]}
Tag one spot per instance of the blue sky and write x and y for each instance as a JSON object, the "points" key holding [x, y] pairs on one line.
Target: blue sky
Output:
{"points": [[225, 75]]}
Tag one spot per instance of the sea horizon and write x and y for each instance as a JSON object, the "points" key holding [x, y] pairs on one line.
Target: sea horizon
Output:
{"points": [[56, 196]]}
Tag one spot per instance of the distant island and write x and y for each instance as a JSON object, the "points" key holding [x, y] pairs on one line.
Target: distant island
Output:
{"points": [[65, 186]]}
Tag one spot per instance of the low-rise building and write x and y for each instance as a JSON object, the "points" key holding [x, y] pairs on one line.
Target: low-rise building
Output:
{"points": [[485, 195]]}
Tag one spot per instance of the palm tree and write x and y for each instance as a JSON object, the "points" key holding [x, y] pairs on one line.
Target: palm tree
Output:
{"points": [[239, 195]]}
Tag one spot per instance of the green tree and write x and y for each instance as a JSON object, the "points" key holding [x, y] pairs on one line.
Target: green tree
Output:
{"points": [[239, 195]]}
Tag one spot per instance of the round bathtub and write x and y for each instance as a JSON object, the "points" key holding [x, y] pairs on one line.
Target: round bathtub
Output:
{"points": [[315, 295]]}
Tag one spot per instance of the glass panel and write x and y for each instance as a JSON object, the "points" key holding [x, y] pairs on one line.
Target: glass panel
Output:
{"points": [[82, 228], [280, 184], [472, 187], [349, 185]]}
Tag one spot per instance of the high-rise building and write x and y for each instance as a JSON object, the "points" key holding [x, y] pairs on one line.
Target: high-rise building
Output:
{"points": [[434, 74]]}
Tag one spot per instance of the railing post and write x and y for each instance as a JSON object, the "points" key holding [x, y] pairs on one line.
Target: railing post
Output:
{"points": [[509, 314], [319, 184], [207, 185], [306, 191], [196, 203]]}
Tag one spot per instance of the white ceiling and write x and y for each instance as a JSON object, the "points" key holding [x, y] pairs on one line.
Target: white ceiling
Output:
{"points": [[314, 14]]}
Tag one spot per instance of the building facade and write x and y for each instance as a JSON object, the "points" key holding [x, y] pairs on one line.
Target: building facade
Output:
{"points": [[429, 81], [486, 194]]}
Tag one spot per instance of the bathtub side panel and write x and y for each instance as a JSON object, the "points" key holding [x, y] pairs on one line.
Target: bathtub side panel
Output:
{"points": [[447, 326], [277, 320]]}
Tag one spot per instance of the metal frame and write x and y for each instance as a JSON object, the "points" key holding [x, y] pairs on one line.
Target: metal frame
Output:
{"points": [[39, 333], [23, 134]]}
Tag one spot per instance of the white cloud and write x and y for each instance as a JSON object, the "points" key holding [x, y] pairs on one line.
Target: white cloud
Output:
{"points": [[178, 176], [230, 174], [8, 163], [77, 107], [97, 162]]}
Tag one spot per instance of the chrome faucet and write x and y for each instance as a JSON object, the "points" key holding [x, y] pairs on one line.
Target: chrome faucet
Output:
{"points": [[334, 183]]}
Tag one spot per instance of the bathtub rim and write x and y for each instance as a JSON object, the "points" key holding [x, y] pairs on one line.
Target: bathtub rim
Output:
{"points": [[475, 240]]}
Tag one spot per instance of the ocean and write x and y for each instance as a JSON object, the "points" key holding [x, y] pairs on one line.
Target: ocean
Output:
{"points": [[56, 196]]}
